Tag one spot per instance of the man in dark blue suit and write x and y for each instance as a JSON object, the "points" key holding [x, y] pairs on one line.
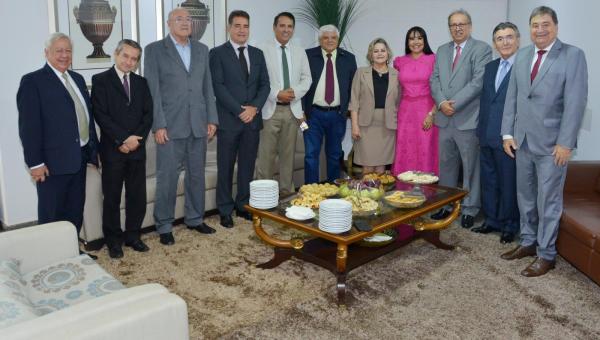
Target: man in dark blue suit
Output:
{"points": [[326, 103], [498, 170], [241, 85], [58, 133]]}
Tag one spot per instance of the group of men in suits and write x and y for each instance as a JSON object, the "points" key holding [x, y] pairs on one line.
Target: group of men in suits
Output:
{"points": [[508, 123], [512, 124]]}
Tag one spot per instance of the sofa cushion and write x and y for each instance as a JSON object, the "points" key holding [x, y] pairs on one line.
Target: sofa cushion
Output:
{"points": [[67, 283], [15, 307], [581, 218]]}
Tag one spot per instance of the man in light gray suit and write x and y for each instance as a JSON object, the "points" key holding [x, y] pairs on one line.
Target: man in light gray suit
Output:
{"points": [[456, 84], [289, 75], [185, 118], [545, 102]]}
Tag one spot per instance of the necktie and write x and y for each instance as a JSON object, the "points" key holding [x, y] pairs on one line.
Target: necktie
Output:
{"points": [[126, 86], [456, 57], [536, 66], [329, 88], [243, 63], [501, 73], [82, 118], [286, 70]]}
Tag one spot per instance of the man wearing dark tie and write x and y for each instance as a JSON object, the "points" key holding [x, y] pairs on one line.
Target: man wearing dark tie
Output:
{"points": [[185, 119], [498, 172], [456, 84], [122, 106], [326, 103], [545, 103], [241, 84], [58, 134]]}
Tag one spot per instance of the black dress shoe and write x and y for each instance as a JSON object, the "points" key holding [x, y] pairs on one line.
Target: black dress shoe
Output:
{"points": [[227, 221], [243, 214], [93, 257], [507, 237], [441, 214], [483, 229], [202, 228], [167, 239], [138, 245], [115, 252], [467, 221]]}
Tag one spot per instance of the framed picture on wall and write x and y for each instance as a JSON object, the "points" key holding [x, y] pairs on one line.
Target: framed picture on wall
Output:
{"points": [[209, 19], [95, 28]]}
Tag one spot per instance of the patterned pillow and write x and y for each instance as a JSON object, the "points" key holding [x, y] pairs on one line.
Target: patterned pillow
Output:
{"points": [[14, 305], [68, 283]]}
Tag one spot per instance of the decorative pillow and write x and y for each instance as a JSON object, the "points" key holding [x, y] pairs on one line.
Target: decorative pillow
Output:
{"points": [[14, 305], [68, 283]]}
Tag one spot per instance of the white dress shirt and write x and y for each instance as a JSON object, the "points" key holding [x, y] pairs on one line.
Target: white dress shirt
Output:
{"points": [[237, 52], [320, 90]]}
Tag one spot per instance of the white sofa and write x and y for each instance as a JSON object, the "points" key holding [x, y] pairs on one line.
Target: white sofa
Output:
{"points": [[92, 217], [58, 294]]}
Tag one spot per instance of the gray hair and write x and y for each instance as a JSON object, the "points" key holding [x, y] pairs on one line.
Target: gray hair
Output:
{"points": [[170, 16], [328, 29], [542, 10], [505, 25], [130, 43], [56, 36], [460, 11]]}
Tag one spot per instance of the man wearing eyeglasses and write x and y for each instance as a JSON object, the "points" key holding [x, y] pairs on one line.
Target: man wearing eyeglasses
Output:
{"points": [[456, 84], [185, 119], [545, 103], [498, 172]]}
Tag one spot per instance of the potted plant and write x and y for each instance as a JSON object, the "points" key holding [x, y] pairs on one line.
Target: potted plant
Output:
{"points": [[340, 13]]}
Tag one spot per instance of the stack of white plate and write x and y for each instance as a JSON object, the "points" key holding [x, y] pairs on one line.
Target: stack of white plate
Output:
{"points": [[264, 194], [335, 216]]}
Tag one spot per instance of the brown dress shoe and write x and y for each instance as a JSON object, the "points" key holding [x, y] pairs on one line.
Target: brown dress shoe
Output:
{"points": [[519, 252], [538, 267]]}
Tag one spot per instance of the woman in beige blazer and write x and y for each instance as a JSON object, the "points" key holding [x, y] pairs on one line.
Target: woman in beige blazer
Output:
{"points": [[373, 104]]}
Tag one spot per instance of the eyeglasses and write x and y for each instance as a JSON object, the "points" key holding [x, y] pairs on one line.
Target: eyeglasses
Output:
{"points": [[458, 26], [181, 20], [507, 38]]}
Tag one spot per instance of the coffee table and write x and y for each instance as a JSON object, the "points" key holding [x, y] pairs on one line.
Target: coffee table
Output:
{"points": [[341, 253]]}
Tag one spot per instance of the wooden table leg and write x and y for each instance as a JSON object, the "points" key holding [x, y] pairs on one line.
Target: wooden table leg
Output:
{"points": [[279, 256], [340, 259], [433, 237]]}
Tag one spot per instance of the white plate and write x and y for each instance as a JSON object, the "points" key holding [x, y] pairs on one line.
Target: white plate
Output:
{"points": [[299, 218]]}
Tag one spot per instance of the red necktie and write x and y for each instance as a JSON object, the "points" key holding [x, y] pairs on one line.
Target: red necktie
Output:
{"points": [[329, 88], [456, 57], [536, 66]]}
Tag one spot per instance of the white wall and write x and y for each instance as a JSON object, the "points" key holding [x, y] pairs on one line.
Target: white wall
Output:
{"points": [[576, 26], [25, 24]]}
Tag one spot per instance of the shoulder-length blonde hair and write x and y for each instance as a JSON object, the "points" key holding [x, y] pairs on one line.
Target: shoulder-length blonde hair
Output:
{"points": [[372, 46]]}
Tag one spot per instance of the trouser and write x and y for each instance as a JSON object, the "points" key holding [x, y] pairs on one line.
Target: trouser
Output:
{"points": [[330, 125]]}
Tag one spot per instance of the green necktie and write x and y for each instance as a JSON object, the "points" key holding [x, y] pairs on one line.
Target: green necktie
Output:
{"points": [[79, 110], [286, 70]]}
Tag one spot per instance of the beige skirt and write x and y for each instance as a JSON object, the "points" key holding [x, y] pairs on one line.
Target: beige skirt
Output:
{"points": [[376, 144]]}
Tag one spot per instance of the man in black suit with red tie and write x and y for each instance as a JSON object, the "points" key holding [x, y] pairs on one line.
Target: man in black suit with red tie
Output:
{"points": [[122, 105], [58, 134]]}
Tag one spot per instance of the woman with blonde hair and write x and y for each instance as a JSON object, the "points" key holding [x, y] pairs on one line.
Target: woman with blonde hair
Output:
{"points": [[373, 103]]}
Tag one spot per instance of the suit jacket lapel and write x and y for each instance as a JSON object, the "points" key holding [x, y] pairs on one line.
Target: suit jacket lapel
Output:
{"points": [[392, 77], [57, 81], [234, 60], [274, 57], [117, 83], [172, 52], [368, 77], [493, 78], [550, 59], [463, 55]]}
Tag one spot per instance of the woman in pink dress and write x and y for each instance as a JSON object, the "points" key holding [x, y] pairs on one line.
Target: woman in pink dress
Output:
{"points": [[416, 136]]}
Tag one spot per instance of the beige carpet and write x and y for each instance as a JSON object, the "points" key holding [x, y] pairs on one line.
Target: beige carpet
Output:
{"points": [[416, 292]]}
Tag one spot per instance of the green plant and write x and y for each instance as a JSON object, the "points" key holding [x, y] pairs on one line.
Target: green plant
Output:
{"points": [[340, 13]]}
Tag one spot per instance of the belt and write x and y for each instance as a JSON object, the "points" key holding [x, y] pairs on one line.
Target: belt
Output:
{"points": [[326, 108], [283, 104]]}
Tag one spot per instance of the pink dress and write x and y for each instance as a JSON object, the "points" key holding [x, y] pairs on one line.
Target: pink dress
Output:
{"points": [[416, 149]]}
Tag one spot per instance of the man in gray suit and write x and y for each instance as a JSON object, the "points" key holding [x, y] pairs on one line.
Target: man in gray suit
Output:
{"points": [[456, 84], [545, 102], [185, 118]]}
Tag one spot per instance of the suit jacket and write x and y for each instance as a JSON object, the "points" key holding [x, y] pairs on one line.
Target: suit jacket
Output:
{"points": [[463, 85], [491, 106], [48, 123], [300, 78], [117, 116], [362, 99], [548, 111], [183, 100], [345, 65], [232, 91]]}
